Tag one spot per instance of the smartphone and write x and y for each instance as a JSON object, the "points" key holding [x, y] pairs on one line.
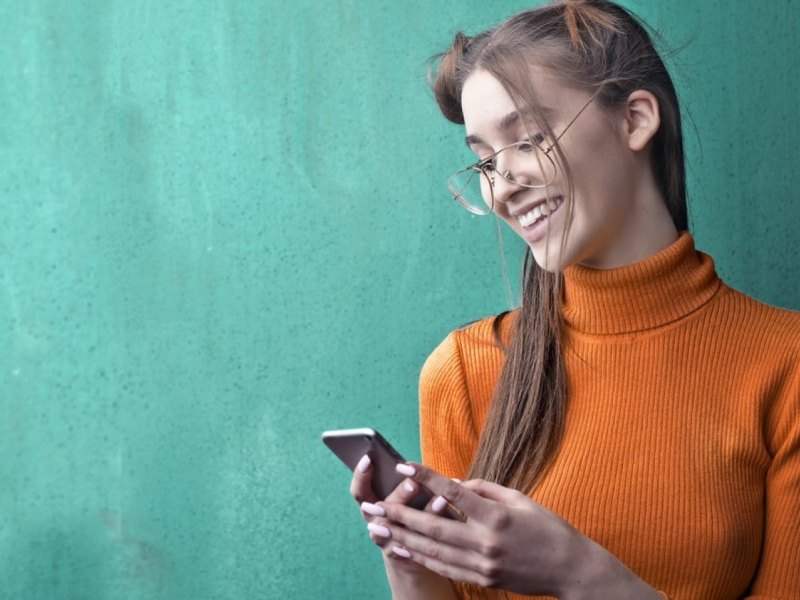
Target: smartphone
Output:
{"points": [[351, 444]]}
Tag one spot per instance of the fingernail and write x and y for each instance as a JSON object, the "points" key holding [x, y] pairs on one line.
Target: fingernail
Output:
{"points": [[379, 530], [400, 551], [373, 509], [406, 470], [456, 480], [439, 504], [364, 463], [409, 487]]}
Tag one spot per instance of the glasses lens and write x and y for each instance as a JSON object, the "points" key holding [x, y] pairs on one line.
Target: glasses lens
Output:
{"points": [[472, 189], [530, 167], [544, 165]]}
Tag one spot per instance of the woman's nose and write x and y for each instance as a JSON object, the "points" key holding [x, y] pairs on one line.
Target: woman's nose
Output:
{"points": [[512, 173], [504, 185]]}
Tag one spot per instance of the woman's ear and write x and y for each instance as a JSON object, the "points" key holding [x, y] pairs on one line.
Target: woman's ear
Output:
{"points": [[642, 119]]}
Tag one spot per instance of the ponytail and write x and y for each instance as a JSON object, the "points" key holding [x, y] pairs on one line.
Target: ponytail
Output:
{"points": [[583, 18]]}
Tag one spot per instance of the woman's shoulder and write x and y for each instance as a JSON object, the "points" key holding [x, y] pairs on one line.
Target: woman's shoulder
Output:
{"points": [[477, 348], [764, 340], [773, 324], [486, 334]]}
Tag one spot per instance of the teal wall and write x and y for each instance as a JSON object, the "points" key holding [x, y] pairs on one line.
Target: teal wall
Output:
{"points": [[225, 228]]}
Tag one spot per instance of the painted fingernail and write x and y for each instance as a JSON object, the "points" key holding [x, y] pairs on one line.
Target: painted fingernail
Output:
{"points": [[372, 509], [400, 551], [406, 470], [408, 486], [379, 530], [364, 463], [439, 504]]}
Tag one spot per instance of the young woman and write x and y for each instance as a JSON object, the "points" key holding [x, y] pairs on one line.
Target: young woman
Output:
{"points": [[633, 430]]}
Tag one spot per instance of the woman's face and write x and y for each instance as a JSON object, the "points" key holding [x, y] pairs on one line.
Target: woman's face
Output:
{"points": [[607, 224]]}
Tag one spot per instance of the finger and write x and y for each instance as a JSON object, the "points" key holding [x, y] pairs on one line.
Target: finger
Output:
{"points": [[449, 562], [432, 526], [361, 483], [378, 532], [431, 547], [440, 506], [447, 570], [463, 499], [383, 542], [361, 487], [405, 491], [377, 525]]}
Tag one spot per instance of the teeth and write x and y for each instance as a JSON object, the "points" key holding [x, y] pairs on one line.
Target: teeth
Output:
{"points": [[544, 209]]}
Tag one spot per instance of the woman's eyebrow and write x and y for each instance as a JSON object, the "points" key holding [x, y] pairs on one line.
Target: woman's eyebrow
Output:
{"points": [[509, 120], [504, 124]]}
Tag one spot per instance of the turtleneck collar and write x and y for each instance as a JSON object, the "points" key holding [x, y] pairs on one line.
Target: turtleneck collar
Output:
{"points": [[651, 293]]}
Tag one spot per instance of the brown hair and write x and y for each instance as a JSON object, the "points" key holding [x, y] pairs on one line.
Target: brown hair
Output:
{"points": [[598, 46]]}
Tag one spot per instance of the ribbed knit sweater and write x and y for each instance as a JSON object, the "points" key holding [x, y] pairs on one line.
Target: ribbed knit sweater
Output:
{"points": [[681, 447]]}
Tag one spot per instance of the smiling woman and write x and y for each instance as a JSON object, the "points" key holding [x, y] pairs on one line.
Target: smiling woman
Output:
{"points": [[615, 437], [620, 215]]}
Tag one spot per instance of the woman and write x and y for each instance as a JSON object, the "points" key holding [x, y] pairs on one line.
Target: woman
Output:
{"points": [[633, 430]]}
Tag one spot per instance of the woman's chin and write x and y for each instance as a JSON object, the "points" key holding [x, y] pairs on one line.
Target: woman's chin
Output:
{"points": [[548, 259], [549, 255]]}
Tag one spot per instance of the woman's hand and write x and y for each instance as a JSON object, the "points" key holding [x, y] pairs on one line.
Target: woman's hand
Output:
{"points": [[407, 578], [364, 495], [507, 541]]}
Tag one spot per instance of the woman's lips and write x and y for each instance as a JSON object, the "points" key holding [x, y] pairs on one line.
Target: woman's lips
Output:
{"points": [[534, 222]]}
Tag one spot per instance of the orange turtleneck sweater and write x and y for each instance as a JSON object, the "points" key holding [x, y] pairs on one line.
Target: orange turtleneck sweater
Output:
{"points": [[681, 448]]}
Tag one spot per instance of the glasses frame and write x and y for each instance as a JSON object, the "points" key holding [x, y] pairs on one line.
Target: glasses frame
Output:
{"points": [[486, 168]]}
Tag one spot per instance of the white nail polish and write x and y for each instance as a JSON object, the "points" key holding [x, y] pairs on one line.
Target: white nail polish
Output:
{"points": [[408, 486], [363, 464], [406, 470], [439, 504], [379, 530], [400, 551], [372, 509]]}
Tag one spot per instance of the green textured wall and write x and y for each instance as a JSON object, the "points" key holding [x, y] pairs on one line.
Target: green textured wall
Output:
{"points": [[224, 228]]}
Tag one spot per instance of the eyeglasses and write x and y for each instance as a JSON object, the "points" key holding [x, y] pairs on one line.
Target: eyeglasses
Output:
{"points": [[473, 187]]}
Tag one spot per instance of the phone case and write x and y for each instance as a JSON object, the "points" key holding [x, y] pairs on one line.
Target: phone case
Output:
{"points": [[351, 444]]}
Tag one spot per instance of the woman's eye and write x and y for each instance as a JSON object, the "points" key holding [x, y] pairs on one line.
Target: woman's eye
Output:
{"points": [[531, 145]]}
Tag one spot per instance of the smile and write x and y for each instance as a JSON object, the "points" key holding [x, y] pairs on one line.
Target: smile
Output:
{"points": [[540, 212]]}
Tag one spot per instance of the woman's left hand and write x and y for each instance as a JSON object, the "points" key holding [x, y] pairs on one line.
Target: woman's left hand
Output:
{"points": [[506, 541]]}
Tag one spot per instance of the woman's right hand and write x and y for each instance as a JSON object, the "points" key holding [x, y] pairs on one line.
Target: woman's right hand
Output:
{"points": [[362, 492], [406, 578]]}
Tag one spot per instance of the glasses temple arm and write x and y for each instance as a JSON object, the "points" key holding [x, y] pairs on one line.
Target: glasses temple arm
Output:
{"points": [[575, 118]]}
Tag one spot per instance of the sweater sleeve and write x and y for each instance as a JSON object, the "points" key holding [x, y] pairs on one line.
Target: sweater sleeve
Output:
{"points": [[778, 576], [447, 431]]}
